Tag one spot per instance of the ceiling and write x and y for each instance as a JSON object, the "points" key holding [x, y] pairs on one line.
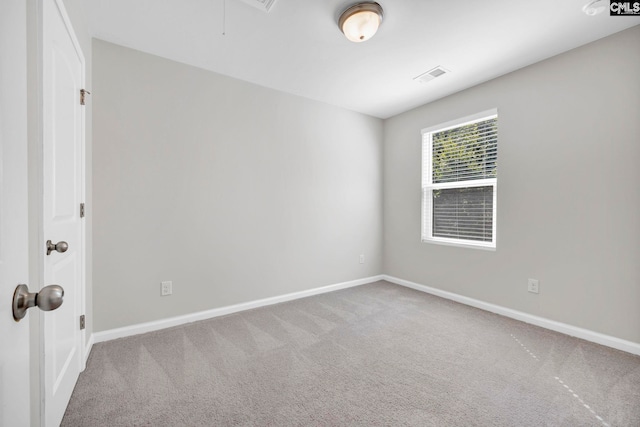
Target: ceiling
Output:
{"points": [[297, 47]]}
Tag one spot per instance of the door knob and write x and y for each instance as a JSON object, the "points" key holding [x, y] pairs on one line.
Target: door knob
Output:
{"points": [[60, 247], [49, 298]]}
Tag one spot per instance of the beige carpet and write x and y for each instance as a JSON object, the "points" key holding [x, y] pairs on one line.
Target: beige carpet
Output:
{"points": [[374, 355]]}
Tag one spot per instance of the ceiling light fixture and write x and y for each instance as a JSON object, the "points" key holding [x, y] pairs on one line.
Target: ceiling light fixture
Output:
{"points": [[594, 7], [361, 21]]}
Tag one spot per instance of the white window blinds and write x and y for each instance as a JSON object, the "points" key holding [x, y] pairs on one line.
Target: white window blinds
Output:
{"points": [[459, 180]]}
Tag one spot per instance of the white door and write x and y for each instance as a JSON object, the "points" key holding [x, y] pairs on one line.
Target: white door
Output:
{"points": [[14, 336], [63, 146]]}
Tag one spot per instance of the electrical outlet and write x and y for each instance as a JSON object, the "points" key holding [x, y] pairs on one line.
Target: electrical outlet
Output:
{"points": [[533, 286], [361, 258], [166, 288]]}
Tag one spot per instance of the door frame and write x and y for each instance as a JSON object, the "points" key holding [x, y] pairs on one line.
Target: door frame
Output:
{"points": [[15, 356], [36, 158]]}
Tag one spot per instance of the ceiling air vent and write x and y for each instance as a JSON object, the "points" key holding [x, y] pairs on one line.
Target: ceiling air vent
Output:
{"points": [[431, 74], [264, 5]]}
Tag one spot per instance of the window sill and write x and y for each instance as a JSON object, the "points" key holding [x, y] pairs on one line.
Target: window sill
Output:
{"points": [[449, 242]]}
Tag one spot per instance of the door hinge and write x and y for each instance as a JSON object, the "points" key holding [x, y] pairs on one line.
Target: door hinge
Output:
{"points": [[81, 210], [83, 92], [82, 322]]}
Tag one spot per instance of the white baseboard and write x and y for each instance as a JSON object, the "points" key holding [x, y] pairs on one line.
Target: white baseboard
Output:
{"points": [[585, 334], [574, 331], [142, 328], [87, 349]]}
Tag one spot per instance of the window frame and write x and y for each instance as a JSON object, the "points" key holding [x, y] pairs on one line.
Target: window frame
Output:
{"points": [[428, 186]]}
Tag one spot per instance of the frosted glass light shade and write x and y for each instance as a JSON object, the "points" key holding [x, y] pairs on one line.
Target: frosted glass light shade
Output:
{"points": [[595, 7], [360, 22]]}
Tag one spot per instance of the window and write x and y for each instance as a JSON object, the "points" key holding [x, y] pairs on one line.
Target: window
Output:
{"points": [[459, 181]]}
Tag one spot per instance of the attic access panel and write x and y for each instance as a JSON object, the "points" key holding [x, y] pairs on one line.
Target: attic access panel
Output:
{"points": [[263, 5]]}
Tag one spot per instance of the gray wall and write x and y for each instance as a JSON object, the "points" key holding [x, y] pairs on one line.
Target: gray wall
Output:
{"points": [[232, 191], [568, 198]]}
